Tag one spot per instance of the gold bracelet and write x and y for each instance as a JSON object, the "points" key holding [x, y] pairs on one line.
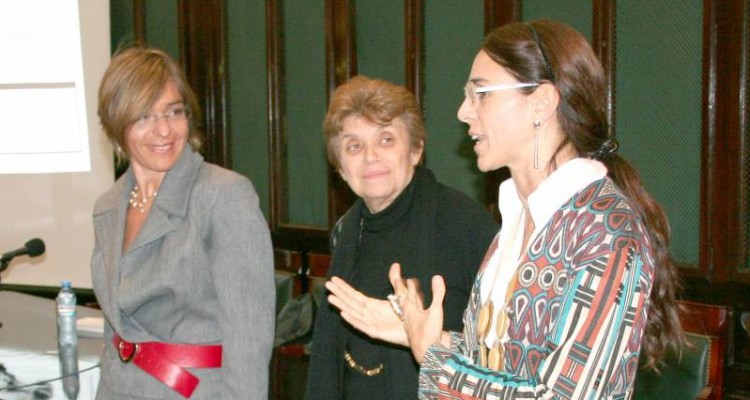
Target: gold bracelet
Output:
{"points": [[362, 370]]}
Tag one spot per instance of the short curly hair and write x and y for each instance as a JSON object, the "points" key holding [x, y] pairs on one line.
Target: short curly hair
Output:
{"points": [[376, 101]]}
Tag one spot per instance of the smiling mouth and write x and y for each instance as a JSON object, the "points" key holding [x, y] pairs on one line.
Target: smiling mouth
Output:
{"points": [[161, 148], [477, 138], [374, 175]]}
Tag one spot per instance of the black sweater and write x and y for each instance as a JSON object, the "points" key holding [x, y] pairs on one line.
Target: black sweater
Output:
{"points": [[430, 229]]}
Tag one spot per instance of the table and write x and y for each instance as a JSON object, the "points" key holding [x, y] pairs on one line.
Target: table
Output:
{"points": [[28, 349]]}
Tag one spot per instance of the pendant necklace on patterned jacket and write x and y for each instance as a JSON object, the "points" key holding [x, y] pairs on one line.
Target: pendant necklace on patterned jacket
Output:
{"points": [[494, 356]]}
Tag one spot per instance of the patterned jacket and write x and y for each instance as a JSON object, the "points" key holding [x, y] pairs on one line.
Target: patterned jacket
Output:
{"points": [[577, 312]]}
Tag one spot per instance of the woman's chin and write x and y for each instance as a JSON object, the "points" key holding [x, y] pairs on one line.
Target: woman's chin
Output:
{"points": [[486, 166]]}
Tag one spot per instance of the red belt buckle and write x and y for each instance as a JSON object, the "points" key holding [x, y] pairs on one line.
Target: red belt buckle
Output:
{"points": [[127, 351], [167, 362]]}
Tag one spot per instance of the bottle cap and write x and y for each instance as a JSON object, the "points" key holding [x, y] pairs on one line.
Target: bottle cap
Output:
{"points": [[66, 284]]}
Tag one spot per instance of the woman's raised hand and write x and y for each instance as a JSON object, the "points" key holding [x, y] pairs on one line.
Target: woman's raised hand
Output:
{"points": [[423, 327], [375, 318], [404, 321]]}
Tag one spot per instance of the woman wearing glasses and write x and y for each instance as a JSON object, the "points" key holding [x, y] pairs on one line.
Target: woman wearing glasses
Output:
{"points": [[183, 265], [579, 281]]}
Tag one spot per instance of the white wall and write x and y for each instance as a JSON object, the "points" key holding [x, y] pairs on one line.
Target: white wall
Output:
{"points": [[57, 207]]}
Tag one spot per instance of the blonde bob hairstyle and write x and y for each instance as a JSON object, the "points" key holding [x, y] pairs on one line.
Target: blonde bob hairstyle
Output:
{"points": [[132, 84], [376, 101]]}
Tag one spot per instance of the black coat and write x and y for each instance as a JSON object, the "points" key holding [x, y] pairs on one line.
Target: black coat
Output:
{"points": [[451, 236]]}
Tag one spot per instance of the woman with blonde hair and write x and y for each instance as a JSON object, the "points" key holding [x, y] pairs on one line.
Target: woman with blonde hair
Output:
{"points": [[182, 265]]}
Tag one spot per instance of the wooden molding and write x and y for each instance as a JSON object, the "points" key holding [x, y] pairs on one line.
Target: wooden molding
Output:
{"points": [[501, 12], [341, 65], [721, 224], [341, 57], [414, 47], [139, 22], [278, 175], [604, 40], [202, 37]]}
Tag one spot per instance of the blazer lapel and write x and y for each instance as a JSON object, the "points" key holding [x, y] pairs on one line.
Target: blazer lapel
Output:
{"points": [[172, 199], [109, 221], [157, 225]]}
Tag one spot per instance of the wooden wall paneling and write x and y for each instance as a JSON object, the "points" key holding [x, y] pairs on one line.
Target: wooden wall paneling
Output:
{"points": [[139, 22], [202, 35], [279, 187], [303, 239], [498, 13], [744, 129], [708, 130], [742, 272], [604, 45], [721, 161], [501, 12], [414, 47], [719, 279], [341, 58], [341, 65]]}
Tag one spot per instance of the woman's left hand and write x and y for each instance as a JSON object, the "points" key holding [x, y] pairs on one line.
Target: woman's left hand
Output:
{"points": [[423, 327], [374, 317]]}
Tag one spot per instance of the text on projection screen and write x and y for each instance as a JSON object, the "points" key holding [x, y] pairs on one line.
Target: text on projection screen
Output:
{"points": [[43, 126]]}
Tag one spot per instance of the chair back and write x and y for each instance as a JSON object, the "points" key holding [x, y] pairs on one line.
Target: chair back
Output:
{"points": [[698, 371], [683, 376]]}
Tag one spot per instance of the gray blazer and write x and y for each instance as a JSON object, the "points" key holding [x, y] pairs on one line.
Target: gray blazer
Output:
{"points": [[200, 271]]}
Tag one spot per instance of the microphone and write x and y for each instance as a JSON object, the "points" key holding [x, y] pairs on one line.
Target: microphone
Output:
{"points": [[34, 247]]}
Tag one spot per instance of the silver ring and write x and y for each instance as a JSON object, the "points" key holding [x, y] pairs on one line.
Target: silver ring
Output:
{"points": [[393, 300]]}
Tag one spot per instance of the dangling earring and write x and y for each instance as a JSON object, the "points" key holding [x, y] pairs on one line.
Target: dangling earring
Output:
{"points": [[119, 152], [537, 124]]}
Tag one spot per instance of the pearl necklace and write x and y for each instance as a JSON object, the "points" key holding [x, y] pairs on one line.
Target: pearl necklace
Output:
{"points": [[137, 202]]}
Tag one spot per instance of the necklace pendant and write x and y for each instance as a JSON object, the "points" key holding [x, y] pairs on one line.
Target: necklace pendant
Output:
{"points": [[495, 358], [483, 327], [482, 355], [484, 319]]}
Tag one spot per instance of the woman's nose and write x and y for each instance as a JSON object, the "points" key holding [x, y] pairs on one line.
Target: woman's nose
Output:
{"points": [[371, 153], [162, 126], [465, 111]]}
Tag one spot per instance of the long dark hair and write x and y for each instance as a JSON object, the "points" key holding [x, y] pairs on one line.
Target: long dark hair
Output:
{"points": [[548, 51]]}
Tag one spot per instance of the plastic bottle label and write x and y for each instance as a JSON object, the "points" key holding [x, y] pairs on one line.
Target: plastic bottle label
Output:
{"points": [[67, 310]]}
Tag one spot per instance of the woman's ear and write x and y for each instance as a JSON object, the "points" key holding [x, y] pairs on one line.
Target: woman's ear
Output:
{"points": [[416, 153], [545, 100]]}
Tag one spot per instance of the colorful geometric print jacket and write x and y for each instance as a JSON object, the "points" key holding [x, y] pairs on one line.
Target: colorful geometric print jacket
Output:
{"points": [[578, 311]]}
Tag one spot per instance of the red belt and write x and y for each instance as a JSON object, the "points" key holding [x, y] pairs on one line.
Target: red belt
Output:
{"points": [[167, 362]]}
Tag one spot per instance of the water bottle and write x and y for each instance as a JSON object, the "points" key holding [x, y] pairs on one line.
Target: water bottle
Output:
{"points": [[67, 339]]}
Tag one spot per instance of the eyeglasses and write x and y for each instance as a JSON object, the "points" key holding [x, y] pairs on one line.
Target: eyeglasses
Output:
{"points": [[173, 115], [472, 92]]}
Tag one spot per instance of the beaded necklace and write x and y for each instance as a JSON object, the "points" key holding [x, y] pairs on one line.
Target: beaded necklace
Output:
{"points": [[137, 202]]}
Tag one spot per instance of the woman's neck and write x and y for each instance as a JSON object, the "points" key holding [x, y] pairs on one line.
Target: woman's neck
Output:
{"points": [[528, 179], [148, 183]]}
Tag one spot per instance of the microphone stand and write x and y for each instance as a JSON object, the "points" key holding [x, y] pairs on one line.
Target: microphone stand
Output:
{"points": [[3, 265]]}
